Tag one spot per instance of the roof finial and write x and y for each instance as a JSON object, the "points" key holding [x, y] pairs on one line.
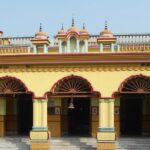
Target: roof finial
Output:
{"points": [[72, 22], [40, 27], [83, 26], [62, 27], [105, 25]]}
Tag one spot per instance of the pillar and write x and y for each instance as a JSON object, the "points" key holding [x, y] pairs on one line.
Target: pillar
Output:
{"points": [[86, 46], [118, 48], [60, 46], [68, 46], [39, 135], [44, 114], [106, 132], [101, 47], [112, 47], [35, 114], [34, 49], [45, 48], [78, 49], [2, 116]]}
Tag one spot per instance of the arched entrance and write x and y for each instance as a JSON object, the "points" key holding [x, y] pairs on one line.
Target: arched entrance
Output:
{"points": [[134, 106], [73, 95], [16, 106]]}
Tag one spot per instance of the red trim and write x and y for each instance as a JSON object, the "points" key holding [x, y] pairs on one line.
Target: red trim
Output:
{"points": [[76, 58], [130, 78], [69, 77], [92, 93], [119, 91], [21, 82]]}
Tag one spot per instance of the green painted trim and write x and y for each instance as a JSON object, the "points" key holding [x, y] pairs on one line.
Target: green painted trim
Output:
{"points": [[108, 141], [40, 128], [106, 129]]}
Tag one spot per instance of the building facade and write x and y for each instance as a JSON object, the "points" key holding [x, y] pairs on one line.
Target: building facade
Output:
{"points": [[75, 83]]}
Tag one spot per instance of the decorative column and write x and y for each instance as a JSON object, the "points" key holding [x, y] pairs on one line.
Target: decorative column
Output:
{"points": [[111, 114], [34, 49], [2, 116], [68, 46], [60, 46], [44, 114], [35, 114], [118, 48], [86, 46], [112, 47], [45, 48], [101, 47], [39, 135], [106, 133], [78, 49]]}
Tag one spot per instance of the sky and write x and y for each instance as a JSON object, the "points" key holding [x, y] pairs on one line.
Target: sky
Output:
{"points": [[23, 17]]}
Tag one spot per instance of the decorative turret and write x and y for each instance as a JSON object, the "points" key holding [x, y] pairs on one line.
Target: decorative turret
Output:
{"points": [[73, 29], [84, 32], [40, 41], [74, 40], [106, 38]]}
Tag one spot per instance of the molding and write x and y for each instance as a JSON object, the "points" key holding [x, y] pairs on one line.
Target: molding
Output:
{"points": [[73, 68], [76, 58], [106, 129]]}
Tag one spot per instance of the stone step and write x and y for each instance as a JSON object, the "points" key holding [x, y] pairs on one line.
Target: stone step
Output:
{"points": [[73, 144], [133, 144]]}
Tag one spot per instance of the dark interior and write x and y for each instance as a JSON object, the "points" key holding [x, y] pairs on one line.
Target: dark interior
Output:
{"points": [[79, 117], [24, 105], [131, 115]]}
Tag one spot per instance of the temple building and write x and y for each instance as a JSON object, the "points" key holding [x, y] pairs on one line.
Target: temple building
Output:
{"points": [[75, 84]]}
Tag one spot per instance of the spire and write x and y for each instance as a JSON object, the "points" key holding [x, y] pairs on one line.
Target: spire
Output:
{"points": [[40, 27], [106, 25], [62, 27], [73, 22], [83, 26]]}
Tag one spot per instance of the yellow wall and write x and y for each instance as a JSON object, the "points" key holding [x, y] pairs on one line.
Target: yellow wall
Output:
{"points": [[105, 81]]}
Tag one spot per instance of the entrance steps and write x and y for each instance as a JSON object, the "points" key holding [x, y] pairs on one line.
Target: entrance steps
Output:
{"points": [[73, 143], [142, 143], [14, 143]]}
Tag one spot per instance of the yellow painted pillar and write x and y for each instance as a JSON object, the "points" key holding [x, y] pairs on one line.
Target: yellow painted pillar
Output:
{"points": [[35, 113], [111, 113], [2, 116], [44, 113], [106, 132], [39, 135]]}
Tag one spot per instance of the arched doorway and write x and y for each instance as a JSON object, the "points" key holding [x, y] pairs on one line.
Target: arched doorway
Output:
{"points": [[75, 94], [17, 106], [134, 106]]}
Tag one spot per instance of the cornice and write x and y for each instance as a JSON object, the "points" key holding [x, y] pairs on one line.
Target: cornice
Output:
{"points": [[74, 68], [92, 58]]}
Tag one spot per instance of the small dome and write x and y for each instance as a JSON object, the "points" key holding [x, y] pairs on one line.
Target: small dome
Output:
{"points": [[40, 34], [84, 30], [61, 31], [73, 29], [106, 32]]}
